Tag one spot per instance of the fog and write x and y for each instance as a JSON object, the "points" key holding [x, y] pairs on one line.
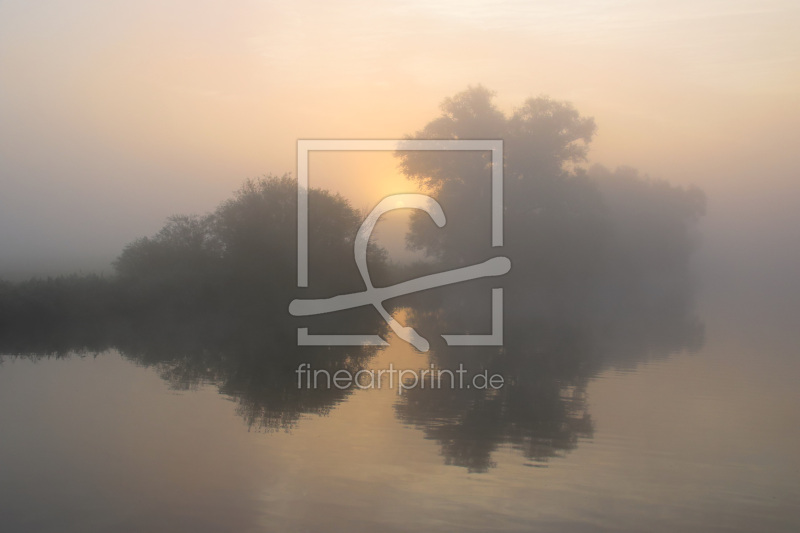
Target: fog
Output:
{"points": [[115, 117], [641, 312]]}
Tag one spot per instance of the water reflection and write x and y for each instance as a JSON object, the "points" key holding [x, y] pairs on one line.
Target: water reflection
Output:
{"points": [[245, 358], [546, 363]]}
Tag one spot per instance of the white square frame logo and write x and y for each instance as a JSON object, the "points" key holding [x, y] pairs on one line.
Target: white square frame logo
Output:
{"points": [[305, 146]]}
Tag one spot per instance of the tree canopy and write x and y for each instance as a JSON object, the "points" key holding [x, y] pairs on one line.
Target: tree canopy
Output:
{"points": [[572, 235]]}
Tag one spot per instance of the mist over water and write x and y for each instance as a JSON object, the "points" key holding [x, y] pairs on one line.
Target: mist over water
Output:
{"points": [[153, 378]]}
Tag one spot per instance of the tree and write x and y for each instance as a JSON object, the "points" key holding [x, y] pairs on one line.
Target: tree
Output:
{"points": [[244, 253], [565, 230]]}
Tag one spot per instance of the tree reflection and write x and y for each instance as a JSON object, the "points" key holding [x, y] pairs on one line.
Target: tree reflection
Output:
{"points": [[246, 360], [546, 363]]}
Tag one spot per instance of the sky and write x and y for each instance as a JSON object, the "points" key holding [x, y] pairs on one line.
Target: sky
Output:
{"points": [[115, 115]]}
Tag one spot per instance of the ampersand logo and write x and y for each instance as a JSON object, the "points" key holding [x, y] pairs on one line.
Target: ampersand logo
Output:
{"points": [[376, 296]]}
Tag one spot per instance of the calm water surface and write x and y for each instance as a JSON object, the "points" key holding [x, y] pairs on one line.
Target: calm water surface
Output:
{"points": [[700, 439]]}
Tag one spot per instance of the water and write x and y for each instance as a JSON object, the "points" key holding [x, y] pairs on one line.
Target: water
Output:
{"points": [[703, 438]]}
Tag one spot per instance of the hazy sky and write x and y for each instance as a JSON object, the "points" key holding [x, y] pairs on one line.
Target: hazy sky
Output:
{"points": [[116, 115]]}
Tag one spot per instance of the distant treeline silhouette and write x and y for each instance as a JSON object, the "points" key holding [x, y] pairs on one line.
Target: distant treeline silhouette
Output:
{"points": [[600, 277], [239, 261], [576, 238]]}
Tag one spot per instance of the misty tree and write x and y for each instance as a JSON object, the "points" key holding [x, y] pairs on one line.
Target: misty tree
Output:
{"points": [[542, 139], [186, 246], [566, 229], [245, 252], [653, 222]]}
